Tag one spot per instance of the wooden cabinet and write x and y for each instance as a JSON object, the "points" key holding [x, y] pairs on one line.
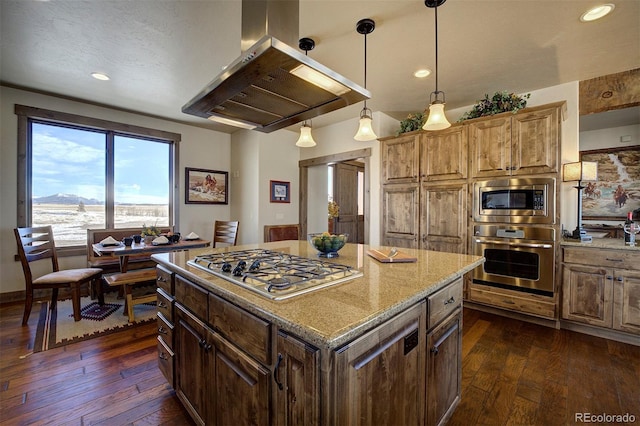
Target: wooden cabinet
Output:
{"points": [[516, 144], [443, 154], [381, 378], [601, 288], [443, 217], [444, 369], [165, 321], [400, 217], [399, 158], [297, 381]]}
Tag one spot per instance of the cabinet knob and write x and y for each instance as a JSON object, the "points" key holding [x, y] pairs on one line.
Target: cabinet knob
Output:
{"points": [[162, 330], [434, 350], [162, 305], [450, 300], [620, 279], [163, 356], [161, 279]]}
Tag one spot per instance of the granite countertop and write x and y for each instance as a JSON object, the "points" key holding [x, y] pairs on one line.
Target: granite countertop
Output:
{"points": [[331, 317], [603, 243]]}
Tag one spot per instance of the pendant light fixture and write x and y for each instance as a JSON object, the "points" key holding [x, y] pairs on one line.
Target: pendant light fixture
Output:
{"points": [[365, 131], [437, 119], [306, 140]]}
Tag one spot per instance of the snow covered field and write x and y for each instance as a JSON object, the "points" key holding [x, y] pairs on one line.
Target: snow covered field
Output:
{"points": [[70, 223]]}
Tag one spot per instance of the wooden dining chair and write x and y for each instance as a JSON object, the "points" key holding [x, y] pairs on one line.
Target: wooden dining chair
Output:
{"points": [[225, 232], [36, 243], [281, 232]]}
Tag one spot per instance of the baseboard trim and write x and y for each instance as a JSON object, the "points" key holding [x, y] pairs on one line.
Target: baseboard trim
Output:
{"points": [[547, 322], [605, 333]]}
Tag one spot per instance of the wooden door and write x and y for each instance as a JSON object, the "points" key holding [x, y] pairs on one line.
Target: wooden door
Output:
{"points": [[626, 296], [534, 142], [400, 159], [443, 154], [297, 381], [191, 361], [241, 395], [444, 369], [380, 376], [400, 215], [346, 193], [443, 217], [490, 146], [587, 294]]}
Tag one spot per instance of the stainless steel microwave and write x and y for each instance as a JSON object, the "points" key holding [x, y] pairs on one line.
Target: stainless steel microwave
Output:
{"points": [[518, 200]]}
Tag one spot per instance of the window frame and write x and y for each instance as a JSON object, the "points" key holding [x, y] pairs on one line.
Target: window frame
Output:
{"points": [[26, 115]]}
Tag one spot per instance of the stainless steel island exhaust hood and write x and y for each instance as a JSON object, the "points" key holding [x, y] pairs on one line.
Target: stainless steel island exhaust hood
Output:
{"points": [[272, 85]]}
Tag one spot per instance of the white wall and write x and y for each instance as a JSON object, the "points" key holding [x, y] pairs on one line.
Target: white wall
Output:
{"points": [[256, 159], [199, 148], [609, 138]]}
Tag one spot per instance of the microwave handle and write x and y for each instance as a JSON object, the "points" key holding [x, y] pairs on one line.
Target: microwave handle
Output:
{"points": [[508, 243]]}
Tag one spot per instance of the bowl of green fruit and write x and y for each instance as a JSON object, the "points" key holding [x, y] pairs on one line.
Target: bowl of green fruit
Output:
{"points": [[327, 244]]}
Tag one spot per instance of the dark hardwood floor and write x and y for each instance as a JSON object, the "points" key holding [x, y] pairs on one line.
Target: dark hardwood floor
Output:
{"points": [[514, 373]]}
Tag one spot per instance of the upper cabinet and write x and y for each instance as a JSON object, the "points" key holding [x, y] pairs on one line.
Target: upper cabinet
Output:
{"points": [[399, 159], [443, 155], [516, 144]]}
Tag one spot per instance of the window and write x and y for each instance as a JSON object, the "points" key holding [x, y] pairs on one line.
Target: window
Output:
{"points": [[77, 173]]}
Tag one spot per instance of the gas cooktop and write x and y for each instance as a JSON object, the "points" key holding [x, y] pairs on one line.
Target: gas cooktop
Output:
{"points": [[273, 274]]}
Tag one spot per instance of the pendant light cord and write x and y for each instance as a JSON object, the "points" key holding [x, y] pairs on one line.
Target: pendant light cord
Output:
{"points": [[436, 12], [365, 66]]}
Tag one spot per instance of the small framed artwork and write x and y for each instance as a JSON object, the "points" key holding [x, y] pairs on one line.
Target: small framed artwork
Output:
{"points": [[204, 186], [617, 190], [280, 192]]}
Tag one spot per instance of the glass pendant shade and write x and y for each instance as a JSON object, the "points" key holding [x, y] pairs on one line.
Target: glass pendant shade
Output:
{"points": [[305, 140], [365, 131], [437, 119]]}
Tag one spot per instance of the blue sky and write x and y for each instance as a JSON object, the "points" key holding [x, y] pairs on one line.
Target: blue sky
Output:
{"points": [[72, 161]]}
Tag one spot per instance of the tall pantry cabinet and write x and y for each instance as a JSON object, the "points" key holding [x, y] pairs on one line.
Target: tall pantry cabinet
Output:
{"points": [[425, 191]]}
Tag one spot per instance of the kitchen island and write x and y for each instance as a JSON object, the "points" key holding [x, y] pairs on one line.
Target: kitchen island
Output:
{"points": [[381, 348]]}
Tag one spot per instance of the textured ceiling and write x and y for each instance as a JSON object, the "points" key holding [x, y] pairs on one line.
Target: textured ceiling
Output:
{"points": [[159, 54]]}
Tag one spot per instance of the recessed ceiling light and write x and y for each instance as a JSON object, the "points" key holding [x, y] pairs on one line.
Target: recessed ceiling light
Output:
{"points": [[597, 12], [422, 73], [100, 76]]}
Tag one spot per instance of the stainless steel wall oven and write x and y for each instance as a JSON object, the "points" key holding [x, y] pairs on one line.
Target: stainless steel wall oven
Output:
{"points": [[517, 257]]}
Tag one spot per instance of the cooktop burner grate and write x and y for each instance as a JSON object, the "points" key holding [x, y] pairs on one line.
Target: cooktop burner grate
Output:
{"points": [[274, 274]]}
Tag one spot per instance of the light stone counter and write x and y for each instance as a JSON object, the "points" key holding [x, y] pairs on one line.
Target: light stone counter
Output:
{"points": [[603, 243], [332, 316]]}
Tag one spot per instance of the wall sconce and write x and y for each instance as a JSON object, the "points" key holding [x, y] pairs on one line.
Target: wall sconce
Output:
{"points": [[579, 171]]}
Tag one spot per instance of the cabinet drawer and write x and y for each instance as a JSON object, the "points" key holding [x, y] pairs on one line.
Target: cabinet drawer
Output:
{"points": [[520, 302], [624, 258], [165, 361], [241, 327], [444, 302], [164, 280], [165, 330], [165, 304], [192, 297]]}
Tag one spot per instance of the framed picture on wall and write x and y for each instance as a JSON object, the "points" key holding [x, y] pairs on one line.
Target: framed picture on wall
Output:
{"points": [[280, 191], [617, 190], [204, 186]]}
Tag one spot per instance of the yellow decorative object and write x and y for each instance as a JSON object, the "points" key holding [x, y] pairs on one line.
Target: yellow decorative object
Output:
{"points": [[333, 209]]}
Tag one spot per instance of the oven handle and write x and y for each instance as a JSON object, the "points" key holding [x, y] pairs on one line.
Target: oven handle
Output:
{"points": [[508, 243]]}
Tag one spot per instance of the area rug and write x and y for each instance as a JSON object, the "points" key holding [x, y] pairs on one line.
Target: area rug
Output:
{"points": [[57, 328]]}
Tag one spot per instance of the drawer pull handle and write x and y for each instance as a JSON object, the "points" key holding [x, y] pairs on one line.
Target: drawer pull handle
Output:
{"points": [[450, 300], [614, 260], [163, 356], [162, 279], [609, 277], [162, 330], [162, 305]]}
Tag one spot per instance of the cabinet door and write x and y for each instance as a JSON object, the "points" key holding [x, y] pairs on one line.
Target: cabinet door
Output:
{"points": [[400, 159], [380, 376], [191, 362], [587, 294], [297, 382], [534, 142], [443, 154], [238, 388], [443, 217], [490, 147], [444, 369], [400, 215], [626, 296]]}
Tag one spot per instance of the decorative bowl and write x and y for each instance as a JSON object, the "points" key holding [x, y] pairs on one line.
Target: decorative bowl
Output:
{"points": [[327, 244]]}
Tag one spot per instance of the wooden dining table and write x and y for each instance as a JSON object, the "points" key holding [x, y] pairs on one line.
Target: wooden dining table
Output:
{"points": [[125, 252]]}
